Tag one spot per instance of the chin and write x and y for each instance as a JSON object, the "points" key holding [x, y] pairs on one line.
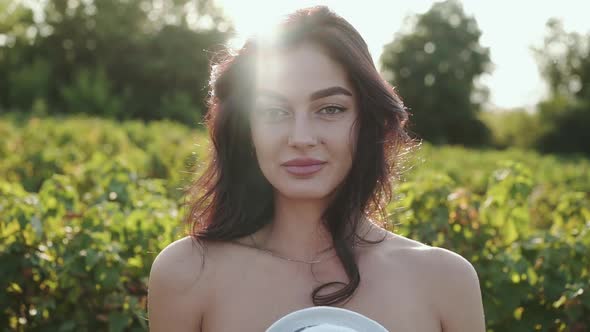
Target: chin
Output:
{"points": [[304, 192]]}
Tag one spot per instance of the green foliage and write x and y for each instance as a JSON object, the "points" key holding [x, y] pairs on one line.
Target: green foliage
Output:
{"points": [[513, 128], [179, 105], [91, 92], [86, 204], [433, 66], [565, 126], [29, 84], [134, 59], [564, 61], [524, 227], [76, 246]]}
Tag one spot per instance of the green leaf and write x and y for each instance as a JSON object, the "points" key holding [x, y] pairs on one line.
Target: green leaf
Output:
{"points": [[118, 321]]}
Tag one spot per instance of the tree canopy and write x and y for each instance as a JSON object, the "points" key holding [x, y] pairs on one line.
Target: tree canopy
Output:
{"points": [[434, 65], [126, 59], [564, 62]]}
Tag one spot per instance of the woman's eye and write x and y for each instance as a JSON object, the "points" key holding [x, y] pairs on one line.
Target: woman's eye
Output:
{"points": [[332, 110], [274, 113]]}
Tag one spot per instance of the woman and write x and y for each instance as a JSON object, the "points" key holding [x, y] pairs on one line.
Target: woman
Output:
{"points": [[306, 138]]}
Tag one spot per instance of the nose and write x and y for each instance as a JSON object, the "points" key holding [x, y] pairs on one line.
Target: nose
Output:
{"points": [[302, 133]]}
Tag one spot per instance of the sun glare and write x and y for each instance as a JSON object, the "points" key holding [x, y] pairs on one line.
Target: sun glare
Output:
{"points": [[262, 28], [378, 21]]}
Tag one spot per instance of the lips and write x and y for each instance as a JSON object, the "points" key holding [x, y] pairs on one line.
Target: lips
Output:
{"points": [[303, 166], [303, 162]]}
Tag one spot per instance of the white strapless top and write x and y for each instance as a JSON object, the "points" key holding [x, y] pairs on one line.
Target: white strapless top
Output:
{"points": [[325, 319]]}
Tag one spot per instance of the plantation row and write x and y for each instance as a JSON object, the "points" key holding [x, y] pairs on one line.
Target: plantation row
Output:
{"points": [[86, 204]]}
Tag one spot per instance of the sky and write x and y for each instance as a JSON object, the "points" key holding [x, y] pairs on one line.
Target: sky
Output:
{"points": [[509, 28]]}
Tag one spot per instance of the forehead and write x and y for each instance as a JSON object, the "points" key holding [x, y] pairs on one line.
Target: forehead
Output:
{"points": [[297, 72]]}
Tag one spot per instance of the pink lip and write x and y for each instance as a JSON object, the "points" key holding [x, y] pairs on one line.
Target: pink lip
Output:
{"points": [[303, 166], [303, 162]]}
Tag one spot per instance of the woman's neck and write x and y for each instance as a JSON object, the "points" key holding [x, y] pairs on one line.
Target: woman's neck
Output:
{"points": [[297, 230]]}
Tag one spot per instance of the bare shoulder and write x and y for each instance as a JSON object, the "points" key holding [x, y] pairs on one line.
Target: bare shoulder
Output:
{"points": [[454, 285], [450, 280], [398, 253], [448, 270], [399, 245], [178, 287], [427, 258]]}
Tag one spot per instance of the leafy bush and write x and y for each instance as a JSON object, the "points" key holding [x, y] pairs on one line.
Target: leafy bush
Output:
{"points": [[29, 84], [532, 278], [566, 123], [513, 128], [180, 106], [92, 93]]}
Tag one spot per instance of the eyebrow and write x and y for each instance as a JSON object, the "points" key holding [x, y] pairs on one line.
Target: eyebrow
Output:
{"points": [[331, 91]]}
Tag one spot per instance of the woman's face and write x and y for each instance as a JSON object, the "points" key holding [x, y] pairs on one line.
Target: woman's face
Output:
{"points": [[302, 122]]}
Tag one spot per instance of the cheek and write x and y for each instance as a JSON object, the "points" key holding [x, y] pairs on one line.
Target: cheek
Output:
{"points": [[344, 142], [265, 145]]}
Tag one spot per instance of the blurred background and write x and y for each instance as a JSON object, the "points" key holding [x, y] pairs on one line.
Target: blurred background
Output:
{"points": [[101, 106]]}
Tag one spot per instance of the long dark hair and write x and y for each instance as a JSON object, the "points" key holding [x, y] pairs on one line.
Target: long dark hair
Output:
{"points": [[233, 199]]}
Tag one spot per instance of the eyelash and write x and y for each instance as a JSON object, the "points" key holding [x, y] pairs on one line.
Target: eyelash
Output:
{"points": [[339, 108]]}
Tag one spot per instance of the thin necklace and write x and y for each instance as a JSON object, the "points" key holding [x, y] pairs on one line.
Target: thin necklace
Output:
{"points": [[291, 259]]}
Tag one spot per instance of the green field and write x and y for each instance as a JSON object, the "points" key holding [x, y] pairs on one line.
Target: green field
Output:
{"points": [[86, 204]]}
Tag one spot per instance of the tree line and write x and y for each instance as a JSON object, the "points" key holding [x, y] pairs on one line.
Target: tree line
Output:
{"points": [[149, 60], [123, 59]]}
